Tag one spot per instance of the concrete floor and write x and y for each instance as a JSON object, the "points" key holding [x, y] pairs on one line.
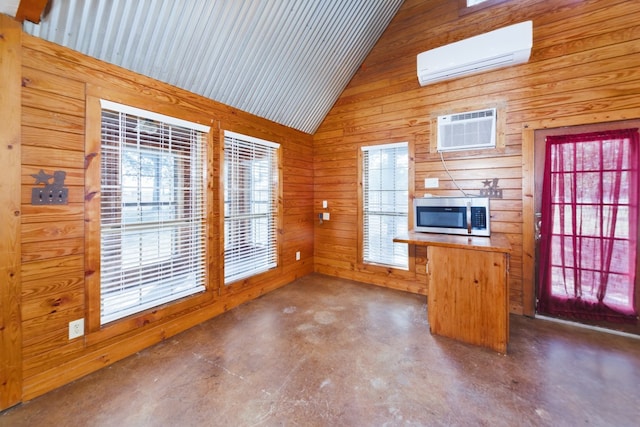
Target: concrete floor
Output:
{"points": [[329, 352]]}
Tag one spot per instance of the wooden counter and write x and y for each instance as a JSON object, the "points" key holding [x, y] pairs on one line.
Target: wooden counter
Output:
{"points": [[468, 287], [495, 243]]}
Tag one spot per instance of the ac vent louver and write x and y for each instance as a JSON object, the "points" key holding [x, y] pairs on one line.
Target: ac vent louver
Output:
{"points": [[467, 131]]}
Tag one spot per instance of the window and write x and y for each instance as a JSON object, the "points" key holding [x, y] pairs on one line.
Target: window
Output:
{"points": [[469, 6], [385, 204], [152, 210], [250, 206]]}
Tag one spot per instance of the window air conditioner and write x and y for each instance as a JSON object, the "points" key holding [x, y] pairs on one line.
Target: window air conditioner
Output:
{"points": [[467, 131], [496, 49]]}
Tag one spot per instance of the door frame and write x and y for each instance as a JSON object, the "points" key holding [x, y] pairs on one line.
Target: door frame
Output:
{"points": [[10, 214], [528, 190]]}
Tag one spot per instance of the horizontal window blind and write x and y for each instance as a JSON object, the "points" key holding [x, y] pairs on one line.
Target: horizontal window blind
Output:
{"points": [[250, 206], [385, 204], [152, 210]]}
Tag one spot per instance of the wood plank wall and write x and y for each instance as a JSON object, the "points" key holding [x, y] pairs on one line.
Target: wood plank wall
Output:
{"points": [[55, 85], [10, 330], [584, 68]]}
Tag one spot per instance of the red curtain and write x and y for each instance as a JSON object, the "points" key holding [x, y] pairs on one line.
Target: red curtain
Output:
{"points": [[589, 226]]}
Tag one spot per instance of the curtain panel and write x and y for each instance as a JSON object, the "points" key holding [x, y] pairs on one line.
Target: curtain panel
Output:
{"points": [[588, 245]]}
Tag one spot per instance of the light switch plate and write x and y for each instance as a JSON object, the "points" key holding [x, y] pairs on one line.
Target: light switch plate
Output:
{"points": [[431, 183]]}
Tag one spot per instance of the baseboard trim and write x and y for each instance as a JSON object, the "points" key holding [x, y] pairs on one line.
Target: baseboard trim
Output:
{"points": [[591, 327]]}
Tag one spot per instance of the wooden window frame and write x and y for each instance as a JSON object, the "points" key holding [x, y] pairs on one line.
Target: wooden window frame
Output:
{"points": [[94, 331], [365, 265], [242, 282]]}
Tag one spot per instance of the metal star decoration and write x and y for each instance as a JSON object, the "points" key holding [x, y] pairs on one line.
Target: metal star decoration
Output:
{"points": [[491, 189], [42, 177]]}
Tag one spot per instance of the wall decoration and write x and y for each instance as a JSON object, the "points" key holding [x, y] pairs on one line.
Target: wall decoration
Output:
{"points": [[491, 189], [54, 193]]}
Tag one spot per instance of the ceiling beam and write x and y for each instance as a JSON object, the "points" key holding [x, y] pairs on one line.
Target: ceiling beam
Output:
{"points": [[30, 10]]}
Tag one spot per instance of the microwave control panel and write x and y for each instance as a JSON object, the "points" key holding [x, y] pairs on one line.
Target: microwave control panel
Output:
{"points": [[478, 218]]}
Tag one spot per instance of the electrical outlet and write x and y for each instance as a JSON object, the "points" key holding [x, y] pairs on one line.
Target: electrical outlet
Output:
{"points": [[76, 328], [326, 216], [297, 255]]}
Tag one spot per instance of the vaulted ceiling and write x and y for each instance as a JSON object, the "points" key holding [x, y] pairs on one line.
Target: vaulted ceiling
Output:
{"points": [[284, 60]]}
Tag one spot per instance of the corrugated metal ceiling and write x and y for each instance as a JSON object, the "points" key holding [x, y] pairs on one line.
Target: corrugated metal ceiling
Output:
{"points": [[284, 60]]}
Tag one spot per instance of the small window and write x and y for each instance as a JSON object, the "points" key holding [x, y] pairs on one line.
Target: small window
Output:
{"points": [[250, 206], [152, 210], [385, 204], [469, 6]]}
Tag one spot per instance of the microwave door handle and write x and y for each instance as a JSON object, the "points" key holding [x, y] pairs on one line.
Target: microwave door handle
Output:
{"points": [[468, 217]]}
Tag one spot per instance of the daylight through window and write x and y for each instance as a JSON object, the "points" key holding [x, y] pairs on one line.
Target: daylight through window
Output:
{"points": [[385, 204], [474, 2], [152, 210], [250, 206]]}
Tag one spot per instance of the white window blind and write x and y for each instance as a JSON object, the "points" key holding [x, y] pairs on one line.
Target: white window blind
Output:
{"points": [[152, 210], [385, 204], [250, 206]]}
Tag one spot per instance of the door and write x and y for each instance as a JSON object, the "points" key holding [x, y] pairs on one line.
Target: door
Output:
{"points": [[586, 204]]}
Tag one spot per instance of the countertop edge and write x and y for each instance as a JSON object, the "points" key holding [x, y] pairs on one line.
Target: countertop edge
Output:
{"points": [[495, 243]]}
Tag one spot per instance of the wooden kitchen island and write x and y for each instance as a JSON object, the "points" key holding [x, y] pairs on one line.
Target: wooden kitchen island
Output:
{"points": [[468, 289]]}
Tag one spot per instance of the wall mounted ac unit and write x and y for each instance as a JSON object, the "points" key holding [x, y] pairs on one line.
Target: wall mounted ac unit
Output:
{"points": [[496, 49], [467, 131]]}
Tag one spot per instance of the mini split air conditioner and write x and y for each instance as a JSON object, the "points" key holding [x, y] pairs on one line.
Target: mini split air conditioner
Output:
{"points": [[467, 131], [496, 49]]}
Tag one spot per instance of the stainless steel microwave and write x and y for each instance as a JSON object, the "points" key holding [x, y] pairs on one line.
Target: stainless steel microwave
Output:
{"points": [[452, 215]]}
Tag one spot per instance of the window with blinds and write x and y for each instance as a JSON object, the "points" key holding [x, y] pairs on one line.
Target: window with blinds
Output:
{"points": [[250, 206], [385, 204], [152, 210]]}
